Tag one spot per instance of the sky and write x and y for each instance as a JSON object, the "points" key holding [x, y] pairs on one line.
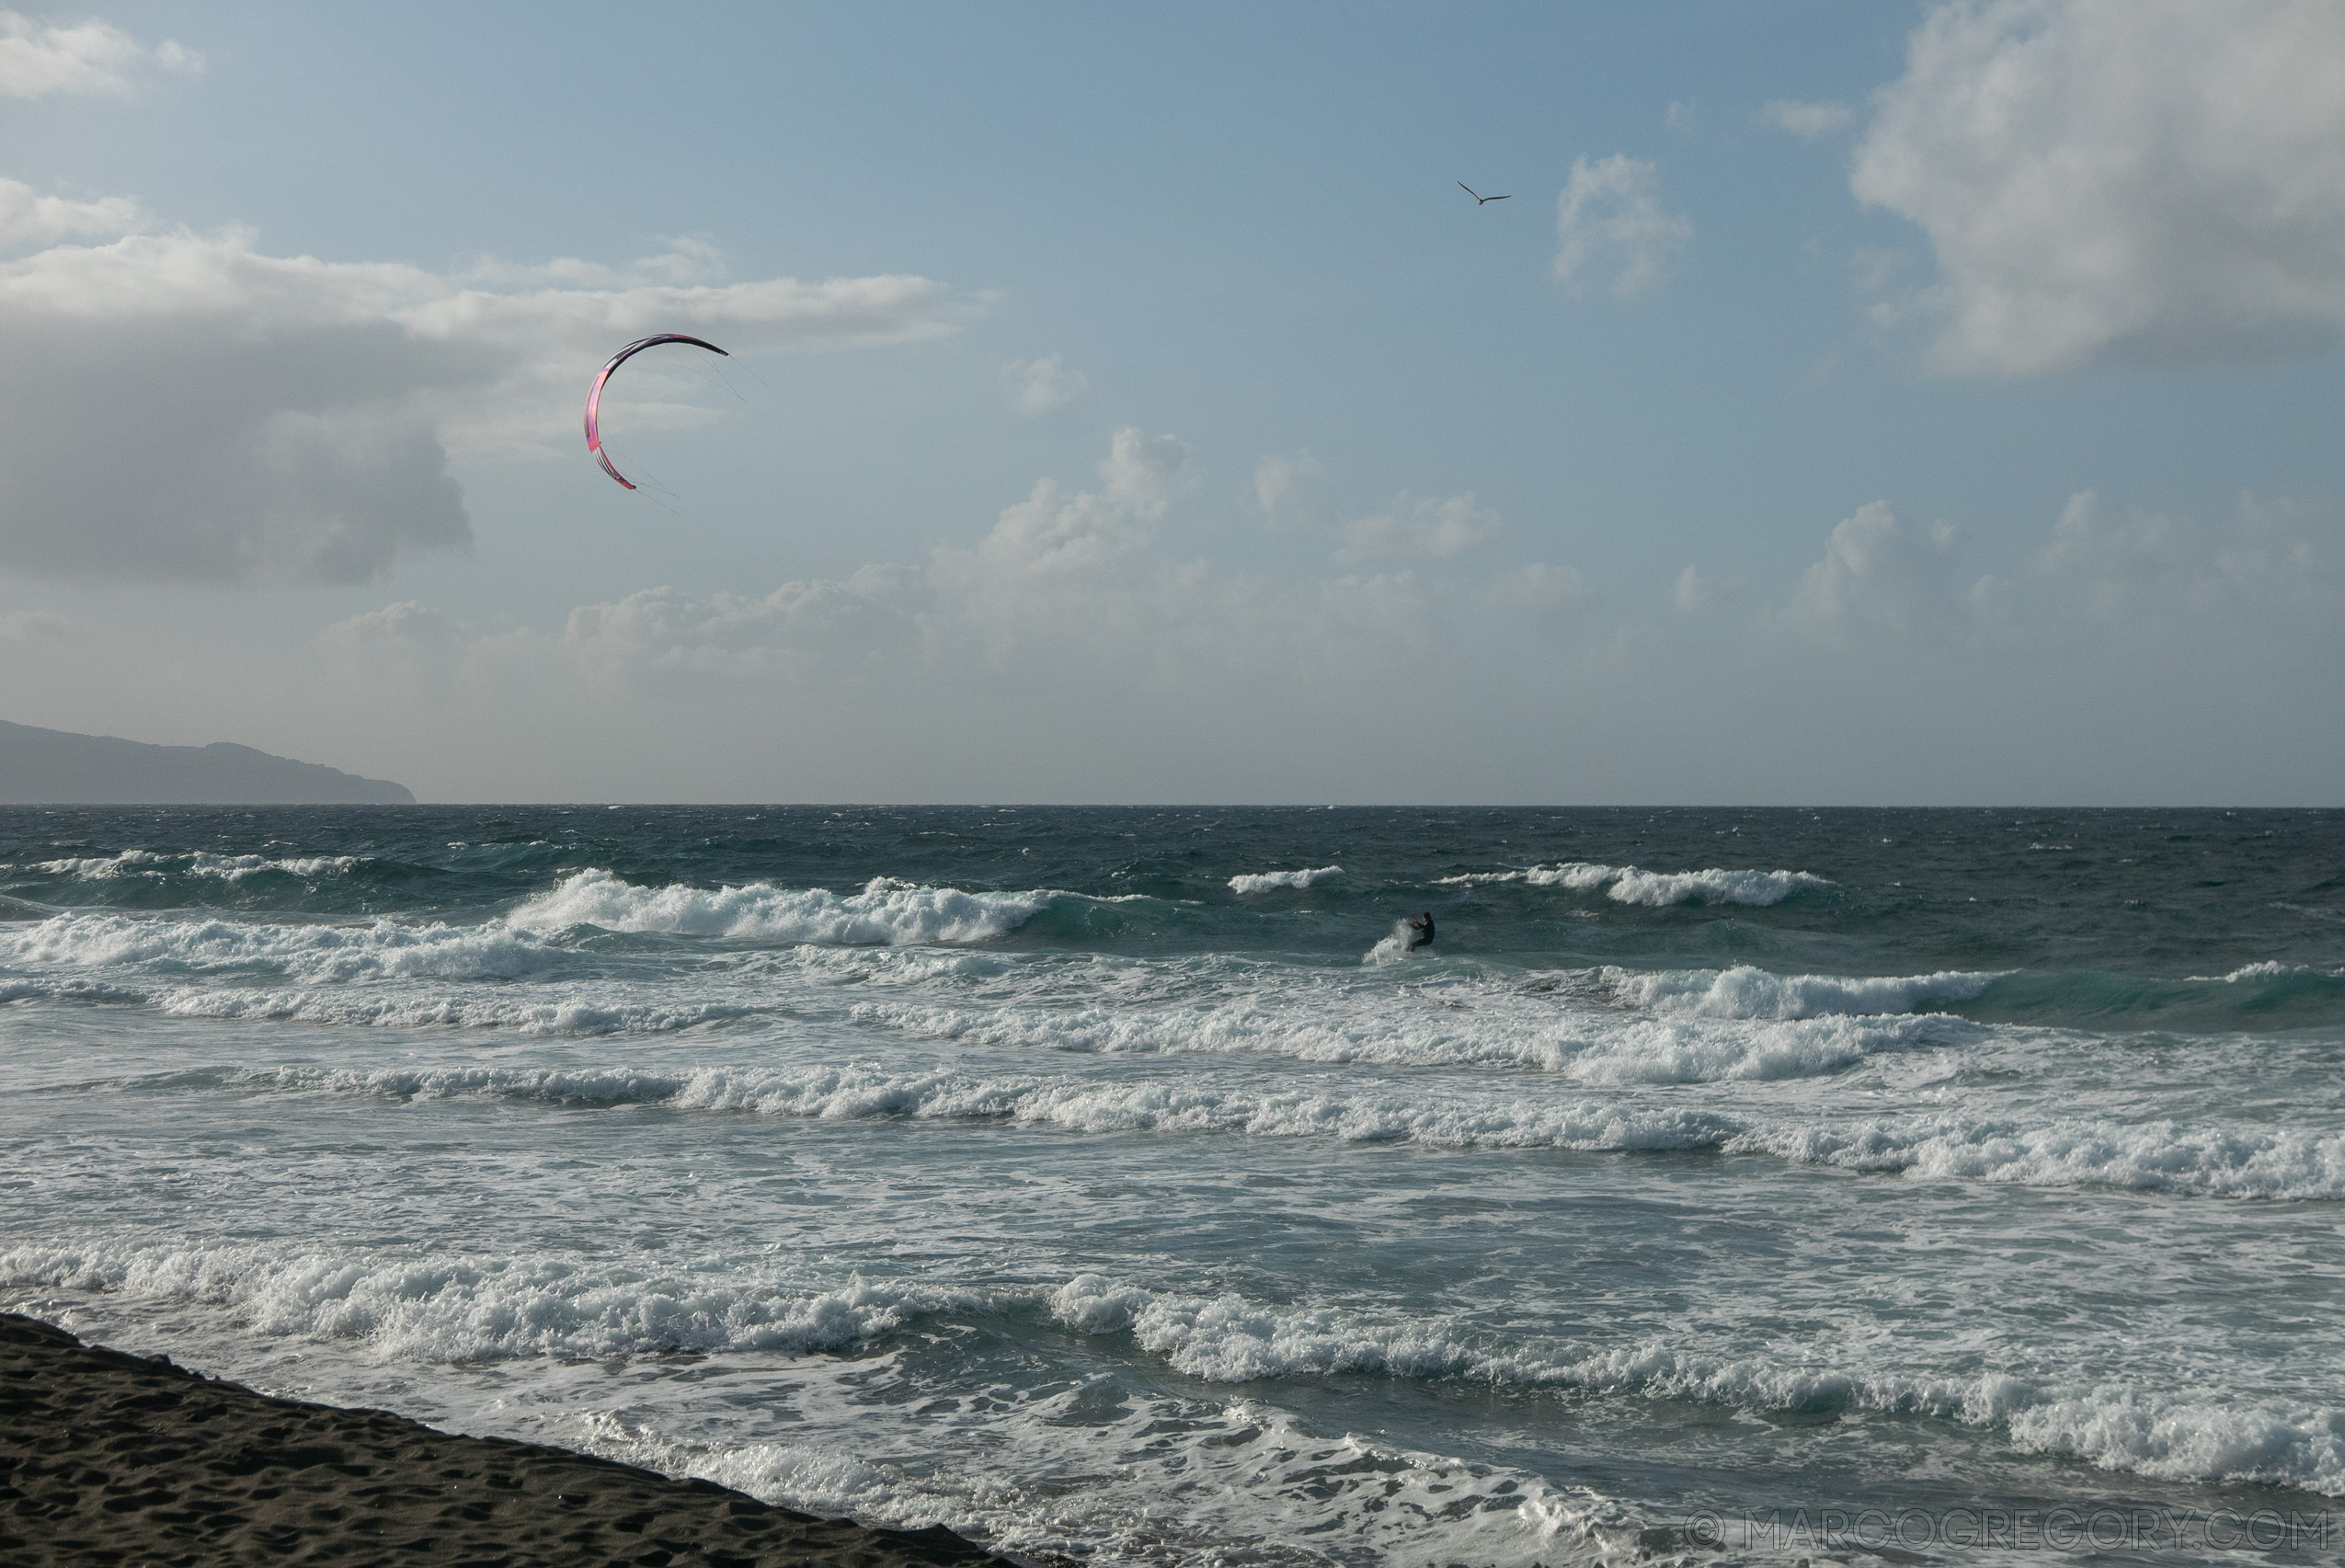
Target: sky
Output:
{"points": [[1849, 404]]}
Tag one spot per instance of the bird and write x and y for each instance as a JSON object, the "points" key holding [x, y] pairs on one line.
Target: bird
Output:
{"points": [[1478, 199]]}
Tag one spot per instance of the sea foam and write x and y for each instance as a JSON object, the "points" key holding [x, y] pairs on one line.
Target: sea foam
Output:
{"points": [[453, 1307], [1745, 991], [311, 954], [1269, 881], [227, 868], [1228, 1338], [1656, 889], [886, 912]]}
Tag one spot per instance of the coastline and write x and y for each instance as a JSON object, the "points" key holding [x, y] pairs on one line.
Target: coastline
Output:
{"points": [[110, 1457]]}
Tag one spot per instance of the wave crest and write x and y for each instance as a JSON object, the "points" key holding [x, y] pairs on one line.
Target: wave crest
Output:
{"points": [[886, 913], [1269, 881], [1656, 889]]}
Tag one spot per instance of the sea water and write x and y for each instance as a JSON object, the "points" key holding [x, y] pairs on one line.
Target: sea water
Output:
{"points": [[1114, 1185]]}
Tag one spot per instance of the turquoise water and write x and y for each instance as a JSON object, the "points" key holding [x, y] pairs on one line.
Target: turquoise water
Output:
{"points": [[1110, 1183]]}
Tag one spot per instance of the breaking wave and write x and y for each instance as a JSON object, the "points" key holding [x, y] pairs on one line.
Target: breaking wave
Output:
{"points": [[226, 867], [316, 955], [886, 913], [458, 1308], [1229, 1339], [1743, 991], [2228, 1160], [1267, 881], [1654, 889]]}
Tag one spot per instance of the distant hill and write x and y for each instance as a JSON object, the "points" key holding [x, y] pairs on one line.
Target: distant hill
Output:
{"points": [[53, 767]]}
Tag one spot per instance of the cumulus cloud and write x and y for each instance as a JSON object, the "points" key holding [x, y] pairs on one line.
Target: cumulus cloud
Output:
{"points": [[1036, 387], [1539, 587], [1144, 472], [2156, 180], [1693, 590], [1881, 576], [1409, 526], [29, 217], [1609, 218], [1058, 594], [2146, 569], [1808, 119], [30, 626], [1437, 527], [37, 58], [190, 407], [1062, 653], [1279, 481], [1061, 601]]}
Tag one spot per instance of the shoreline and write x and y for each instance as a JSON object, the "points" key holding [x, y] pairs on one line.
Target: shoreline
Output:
{"points": [[109, 1457]]}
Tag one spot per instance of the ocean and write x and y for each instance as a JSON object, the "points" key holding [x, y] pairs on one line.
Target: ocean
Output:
{"points": [[1112, 1185]]}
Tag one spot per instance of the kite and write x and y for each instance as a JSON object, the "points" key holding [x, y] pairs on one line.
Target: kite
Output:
{"points": [[594, 392]]}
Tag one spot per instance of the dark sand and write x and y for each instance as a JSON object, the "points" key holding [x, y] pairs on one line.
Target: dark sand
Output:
{"points": [[107, 1458]]}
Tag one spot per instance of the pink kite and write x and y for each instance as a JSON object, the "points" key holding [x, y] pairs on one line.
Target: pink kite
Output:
{"points": [[594, 392]]}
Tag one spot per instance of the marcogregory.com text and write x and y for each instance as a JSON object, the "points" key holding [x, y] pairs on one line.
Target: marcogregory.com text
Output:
{"points": [[2114, 1527]]}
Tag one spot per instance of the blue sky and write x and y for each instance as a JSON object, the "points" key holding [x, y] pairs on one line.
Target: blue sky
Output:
{"points": [[1940, 406]]}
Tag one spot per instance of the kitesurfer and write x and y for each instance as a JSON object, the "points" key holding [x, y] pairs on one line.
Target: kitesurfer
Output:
{"points": [[1420, 930]]}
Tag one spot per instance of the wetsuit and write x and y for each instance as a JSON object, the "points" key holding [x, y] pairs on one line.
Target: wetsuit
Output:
{"points": [[1420, 930]]}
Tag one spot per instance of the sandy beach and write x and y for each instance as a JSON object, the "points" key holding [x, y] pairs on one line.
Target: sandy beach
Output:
{"points": [[110, 1457]]}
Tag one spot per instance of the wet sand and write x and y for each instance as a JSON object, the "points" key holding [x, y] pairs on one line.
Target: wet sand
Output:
{"points": [[108, 1458]]}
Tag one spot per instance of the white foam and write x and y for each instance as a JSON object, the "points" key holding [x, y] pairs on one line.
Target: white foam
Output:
{"points": [[2227, 1160], [1267, 881], [886, 912], [449, 1306], [1460, 1025], [2176, 1439], [1633, 885], [1373, 1115], [1392, 947], [311, 954], [1189, 1483], [2269, 969], [1745, 991], [564, 1086], [228, 867], [2224, 1160], [1229, 1339], [598, 1013]]}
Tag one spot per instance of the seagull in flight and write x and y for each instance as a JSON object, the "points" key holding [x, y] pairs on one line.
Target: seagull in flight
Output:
{"points": [[1479, 200]]}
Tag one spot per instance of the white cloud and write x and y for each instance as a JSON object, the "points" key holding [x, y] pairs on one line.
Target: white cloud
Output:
{"points": [[1539, 587], [27, 626], [184, 407], [1060, 654], [1679, 116], [1609, 217], [1808, 119], [2149, 571], [1693, 590], [1036, 387], [1060, 602], [409, 625], [26, 218], [1278, 482], [1879, 577], [37, 58], [1440, 528], [1145, 472], [1407, 525], [2160, 180]]}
